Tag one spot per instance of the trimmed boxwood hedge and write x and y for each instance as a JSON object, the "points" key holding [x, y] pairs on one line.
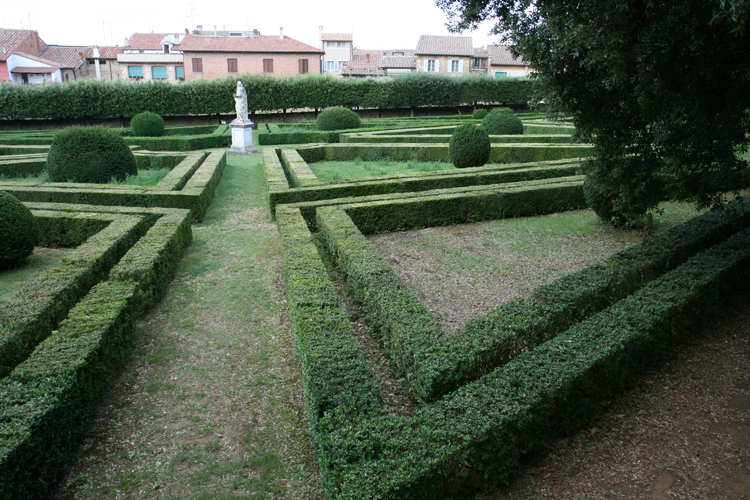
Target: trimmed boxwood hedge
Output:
{"points": [[469, 146], [147, 124]]}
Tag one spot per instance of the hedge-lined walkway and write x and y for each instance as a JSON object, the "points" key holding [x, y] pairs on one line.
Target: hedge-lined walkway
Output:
{"points": [[210, 405]]}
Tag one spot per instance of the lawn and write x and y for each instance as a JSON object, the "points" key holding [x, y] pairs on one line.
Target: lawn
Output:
{"points": [[145, 177], [327, 171]]}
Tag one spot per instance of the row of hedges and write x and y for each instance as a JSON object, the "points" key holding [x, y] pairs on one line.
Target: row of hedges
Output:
{"points": [[500, 152], [96, 98], [23, 165], [30, 316], [402, 183], [441, 207], [189, 185], [221, 137], [434, 364], [474, 439], [47, 401]]}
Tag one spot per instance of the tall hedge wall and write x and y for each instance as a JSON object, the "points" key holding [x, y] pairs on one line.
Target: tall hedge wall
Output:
{"points": [[93, 98]]}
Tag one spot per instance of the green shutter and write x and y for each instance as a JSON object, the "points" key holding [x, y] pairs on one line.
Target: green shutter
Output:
{"points": [[180, 72], [159, 72], [135, 71]]}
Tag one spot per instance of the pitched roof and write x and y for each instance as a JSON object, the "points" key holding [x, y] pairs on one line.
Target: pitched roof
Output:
{"points": [[445, 46], [10, 40], [67, 56], [42, 60], [344, 37], [481, 53], [104, 52], [500, 54], [263, 43], [171, 58], [399, 62], [352, 68], [148, 41], [36, 70]]}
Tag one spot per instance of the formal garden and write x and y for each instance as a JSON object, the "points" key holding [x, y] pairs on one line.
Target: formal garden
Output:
{"points": [[399, 307]]}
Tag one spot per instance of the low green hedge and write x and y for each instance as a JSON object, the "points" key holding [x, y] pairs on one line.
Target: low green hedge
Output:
{"points": [[434, 364], [296, 169], [189, 185], [419, 181], [47, 401], [221, 137], [500, 153], [33, 313], [474, 439]]}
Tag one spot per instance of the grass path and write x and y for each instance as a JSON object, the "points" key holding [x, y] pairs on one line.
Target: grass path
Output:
{"points": [[210, 405]]}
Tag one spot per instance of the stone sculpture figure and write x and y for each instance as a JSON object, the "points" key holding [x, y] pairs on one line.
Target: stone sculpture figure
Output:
{"points": [[240, 103]]}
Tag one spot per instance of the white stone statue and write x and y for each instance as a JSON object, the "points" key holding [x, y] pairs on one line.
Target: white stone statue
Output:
{"points": [[240, 103]]}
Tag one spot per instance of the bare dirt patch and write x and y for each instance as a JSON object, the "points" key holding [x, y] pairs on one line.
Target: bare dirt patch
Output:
{"points": [[683, 431]]}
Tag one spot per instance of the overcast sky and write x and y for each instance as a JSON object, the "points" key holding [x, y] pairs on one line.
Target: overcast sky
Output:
{"points": [[380, 24]]}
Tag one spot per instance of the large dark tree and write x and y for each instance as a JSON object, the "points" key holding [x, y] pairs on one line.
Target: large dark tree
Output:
{"points": [[660, 87]]}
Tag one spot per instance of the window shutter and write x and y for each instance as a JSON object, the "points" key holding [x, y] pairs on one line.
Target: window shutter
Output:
{"points": [[437, 65], [303, 67], [197, 65], [460, 66], [425, 64], [232, 65], [267, 65]]}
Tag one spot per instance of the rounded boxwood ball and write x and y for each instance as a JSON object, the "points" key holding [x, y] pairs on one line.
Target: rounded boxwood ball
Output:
{"points": [[479, 114], [338, 119], [601, 203], [147, 124], [469, 146], [502, 121], [19, 231], [89, 154]]}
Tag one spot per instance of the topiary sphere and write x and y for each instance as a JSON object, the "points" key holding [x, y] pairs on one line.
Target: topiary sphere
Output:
{"points": [[502, 121], [147, 124], [469, 146], [338, 119], [19, 231], [479, 114], [89, 154]]}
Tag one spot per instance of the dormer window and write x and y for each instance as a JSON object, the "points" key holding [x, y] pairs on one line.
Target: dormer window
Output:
{"points": [[166, 48]]}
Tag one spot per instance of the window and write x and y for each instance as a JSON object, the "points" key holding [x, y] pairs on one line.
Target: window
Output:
{"points": [[432, 65], [232, 65], [267, 65], [179, 72], [103, 62], [332, 44], [159, 72], [135, 71], [166, 48], [500, 73], [197, 65], [334, 65], [302, 63]]}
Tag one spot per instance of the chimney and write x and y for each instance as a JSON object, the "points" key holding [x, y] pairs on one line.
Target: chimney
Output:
{"points": [[215, 30], [367, 57], [127, 43], [281, 33]]}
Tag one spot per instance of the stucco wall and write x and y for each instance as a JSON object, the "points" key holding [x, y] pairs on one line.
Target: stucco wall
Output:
{"points": [[215, 63]]}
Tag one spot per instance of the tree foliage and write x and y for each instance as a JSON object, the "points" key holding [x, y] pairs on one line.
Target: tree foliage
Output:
{"points": [[662, 89]]}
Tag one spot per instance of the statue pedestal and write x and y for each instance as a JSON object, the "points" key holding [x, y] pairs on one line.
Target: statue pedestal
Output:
{"points": [[242, 137]]}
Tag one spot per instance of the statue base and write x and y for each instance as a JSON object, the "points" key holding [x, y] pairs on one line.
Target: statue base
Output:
{"points": [[242, 137]]}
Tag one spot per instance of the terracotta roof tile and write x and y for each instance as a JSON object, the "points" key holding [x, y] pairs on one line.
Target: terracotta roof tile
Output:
{"points": [[351, 68], [39, 59], [481, 53], [264, 43], [67, 56], [41, 70], [10, 40], [337, 37], [399, 62], [445, 46], [148, 41], [500, 54]]}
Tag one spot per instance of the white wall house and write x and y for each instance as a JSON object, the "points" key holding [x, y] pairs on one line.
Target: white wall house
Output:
{"points": [[25, 68], [338, 49]]}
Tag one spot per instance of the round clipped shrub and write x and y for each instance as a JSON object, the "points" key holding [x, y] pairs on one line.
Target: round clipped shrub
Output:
{"points": [[502, 121], [469, 146], [19, 231], [338, 119], [479, 114], [89, 154], [147, 124]]}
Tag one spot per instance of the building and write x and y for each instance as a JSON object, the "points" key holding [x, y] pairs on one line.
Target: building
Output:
{"points": [[20, 61], [152, 56], [225, 54], [338, 48], [451, 55], [78, 61], [379, 63], [503, 63]]}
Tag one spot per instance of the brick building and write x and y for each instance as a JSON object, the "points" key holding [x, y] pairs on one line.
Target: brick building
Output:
{"points": [[452, 55], [222, 55]]}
